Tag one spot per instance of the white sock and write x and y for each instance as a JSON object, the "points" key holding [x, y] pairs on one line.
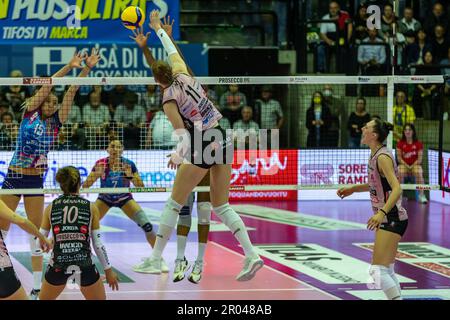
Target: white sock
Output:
{"points": [[37, 280], [241, 234], [167, 223], [181, 246], [201, 251]]}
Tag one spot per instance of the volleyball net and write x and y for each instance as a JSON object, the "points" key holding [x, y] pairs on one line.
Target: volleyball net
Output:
{"points": [[290, 133]]}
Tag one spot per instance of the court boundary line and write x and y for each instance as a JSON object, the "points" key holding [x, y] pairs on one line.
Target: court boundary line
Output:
{"points": [[199, 290], [279, 272]]}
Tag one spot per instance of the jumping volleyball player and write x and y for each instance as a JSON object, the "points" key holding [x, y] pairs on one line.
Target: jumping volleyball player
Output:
{"points": [[10, 286], [188, 108], [117, 171], [74, 221], [38, 131], [390, 219], [203, 200]]}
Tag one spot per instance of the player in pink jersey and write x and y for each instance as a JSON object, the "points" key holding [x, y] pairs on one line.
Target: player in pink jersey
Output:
{"points": [[10, 286], [203, 145], [38, 131], [390, 219]]}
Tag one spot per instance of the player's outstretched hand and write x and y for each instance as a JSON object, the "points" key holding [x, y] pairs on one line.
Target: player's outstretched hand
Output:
{"points": [[167, 25], [76, 60], [375, 221], [112, 279], [140, 38], [344, 192], [155, 22], [93, 59]]}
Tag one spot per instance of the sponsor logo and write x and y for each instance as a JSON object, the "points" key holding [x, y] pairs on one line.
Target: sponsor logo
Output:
{"points": [[423, 255], [297, 219], [417, 79], [84, 229], [316, 173], [320, 263], [231, 80], [56, 229], [363, 79], [70, 237], [37, 81], [48, 60], [69, 228], [298, 79]]}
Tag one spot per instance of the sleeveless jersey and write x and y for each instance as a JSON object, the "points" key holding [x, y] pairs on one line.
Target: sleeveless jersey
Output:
{"points": [[115, 179], [5, 261], [193, 104], [71, 220], [36, 137], [379, 186]]}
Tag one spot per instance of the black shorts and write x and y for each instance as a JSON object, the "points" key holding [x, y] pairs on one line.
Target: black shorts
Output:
{"points": [[114, 203], [58, 277], [17, 180], [210, 147], [9, 283], [395, 225]]}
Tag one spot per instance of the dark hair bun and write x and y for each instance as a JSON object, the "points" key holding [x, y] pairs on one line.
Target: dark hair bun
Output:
{"points": [[388, 126]]}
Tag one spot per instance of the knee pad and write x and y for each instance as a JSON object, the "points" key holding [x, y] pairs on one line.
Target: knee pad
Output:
{"points": [[185, 220], [227, 214], [187, 208], [35, 247], [170, 213], [204, 212], [381, 277], [142, 221]]}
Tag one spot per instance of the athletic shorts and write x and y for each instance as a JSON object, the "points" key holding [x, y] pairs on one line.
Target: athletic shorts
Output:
{"points": [[58, 277], [9, 283], [214, 147], [16, 180], [115, 203], [395, 225]]}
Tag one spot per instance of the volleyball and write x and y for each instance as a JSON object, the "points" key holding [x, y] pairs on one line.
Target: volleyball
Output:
{"points": [[132, 17]]}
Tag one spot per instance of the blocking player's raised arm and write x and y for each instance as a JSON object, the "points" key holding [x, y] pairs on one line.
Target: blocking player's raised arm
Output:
{"points": [[177, 62]]}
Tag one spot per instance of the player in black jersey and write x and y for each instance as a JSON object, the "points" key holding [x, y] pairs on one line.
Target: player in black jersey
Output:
{"points": [[10, 286], [73, 221]]}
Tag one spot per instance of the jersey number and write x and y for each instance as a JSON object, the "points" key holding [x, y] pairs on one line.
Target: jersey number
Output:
{"points": [[39, 130], [193, 94], [70, 215]]}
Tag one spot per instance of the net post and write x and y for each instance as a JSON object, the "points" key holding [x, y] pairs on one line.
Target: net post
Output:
{"points": [[390, 108], [441, 135]]}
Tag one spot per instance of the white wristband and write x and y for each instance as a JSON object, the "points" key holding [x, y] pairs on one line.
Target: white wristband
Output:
{"points": [[166, 42], [100, 249]]}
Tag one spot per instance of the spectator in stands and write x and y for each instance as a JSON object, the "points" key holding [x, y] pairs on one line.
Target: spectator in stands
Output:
{"points": [[231, 103], [246, 127], [440, 43], [159, 132], [371, 57], [409, 156], [408, 23], [416, 51], [426, 94], [437, 17], [337, 109], [116, 97], [5, 107], [96, 117], [9, 130], [388, 20], [318, 120], [131, 117], [151, 101], [16, 95], [212, 94], [445, 70], [75, 126], [403, 113], [360, 24], [268, 110], [66, 137], [356, 121], [331, 36], [224, 123]]}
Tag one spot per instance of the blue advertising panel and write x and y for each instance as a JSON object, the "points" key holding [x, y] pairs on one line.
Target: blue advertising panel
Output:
{"points": [[118, 60], [75, 21]]}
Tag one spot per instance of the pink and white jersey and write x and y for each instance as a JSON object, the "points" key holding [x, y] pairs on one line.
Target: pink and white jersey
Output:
{"points": [[379, 186], [193, 104], [5, 261]]}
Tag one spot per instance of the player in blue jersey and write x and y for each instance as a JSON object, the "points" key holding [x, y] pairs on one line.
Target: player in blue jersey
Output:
{"points": [[38, 131], [117, 171]]}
